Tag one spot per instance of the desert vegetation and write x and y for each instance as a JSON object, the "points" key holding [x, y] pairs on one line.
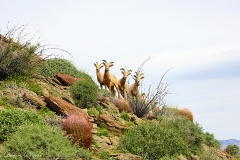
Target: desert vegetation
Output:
{"points": [[111, 126]]}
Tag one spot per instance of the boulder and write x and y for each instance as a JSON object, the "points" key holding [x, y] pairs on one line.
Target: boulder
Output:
{"points": [[62, 107], [112, 124], [66, 79], [34, 99]]}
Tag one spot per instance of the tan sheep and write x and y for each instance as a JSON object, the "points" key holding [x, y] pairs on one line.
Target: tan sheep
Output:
{"points": [[110, 80], [122, 85], [133, 89], [99, 74]]}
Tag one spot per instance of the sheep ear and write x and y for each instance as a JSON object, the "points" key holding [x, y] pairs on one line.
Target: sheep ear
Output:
{"points": [[101, 65], [95, 64]]}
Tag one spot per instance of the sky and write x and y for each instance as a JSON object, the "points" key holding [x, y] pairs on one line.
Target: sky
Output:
{"points": [[199, 41]]}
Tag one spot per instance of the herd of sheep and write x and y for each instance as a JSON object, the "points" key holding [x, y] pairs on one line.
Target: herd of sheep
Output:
{"points": [[110, 81]]}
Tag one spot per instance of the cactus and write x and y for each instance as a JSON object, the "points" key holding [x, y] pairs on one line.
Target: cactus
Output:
{"points": [[78, 127], [122, 105]]}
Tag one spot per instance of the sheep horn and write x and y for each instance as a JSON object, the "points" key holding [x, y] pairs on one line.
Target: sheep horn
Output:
{"points": [[129, 72], [104, 61], [122, 69]]}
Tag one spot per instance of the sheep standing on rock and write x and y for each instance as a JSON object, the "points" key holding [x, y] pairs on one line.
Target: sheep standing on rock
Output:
{"points": [[122, 85], [110, 80], [133, 89], [99, 74]]}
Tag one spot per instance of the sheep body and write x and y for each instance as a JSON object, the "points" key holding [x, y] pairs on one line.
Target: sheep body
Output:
{"points": [[99, 74], [110, 80], [122, 85], [133, 89]]}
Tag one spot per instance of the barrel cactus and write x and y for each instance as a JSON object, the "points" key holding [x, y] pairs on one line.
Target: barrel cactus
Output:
{"points": [[78, 128]]}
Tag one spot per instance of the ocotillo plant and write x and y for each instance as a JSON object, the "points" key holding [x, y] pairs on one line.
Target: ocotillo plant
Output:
{"points": [[78, 127]]}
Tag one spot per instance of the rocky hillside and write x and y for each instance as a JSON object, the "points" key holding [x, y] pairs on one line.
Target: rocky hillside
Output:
{"points": [[57, 97], [110, 118]]}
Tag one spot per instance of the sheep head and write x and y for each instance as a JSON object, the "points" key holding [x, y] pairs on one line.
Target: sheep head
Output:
{"points": [[98, 66], [125, 73], [107, 65], [138, 77]]}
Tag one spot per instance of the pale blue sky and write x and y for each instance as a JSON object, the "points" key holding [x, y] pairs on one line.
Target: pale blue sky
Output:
{"points": [[199, 40]]}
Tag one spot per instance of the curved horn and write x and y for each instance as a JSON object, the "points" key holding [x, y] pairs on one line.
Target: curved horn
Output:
{"points": [[141, 75], [129, 72], [104, 61], [122, 69]]}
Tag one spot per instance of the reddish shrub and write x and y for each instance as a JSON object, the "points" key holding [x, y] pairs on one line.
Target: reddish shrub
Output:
{"points": [[186, 113], [122, 105], [79, 129]]}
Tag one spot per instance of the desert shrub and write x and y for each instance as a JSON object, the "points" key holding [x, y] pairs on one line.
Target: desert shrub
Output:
{"points": [[103, 131], [18, 58], [23, 82], [125, 116], [191, 133], [53, 66], [78, 127], [41, 142], [210, 141], [84, 93], [104, 92], [169, 158], [12, 119], [232, 149], [93, 111], [139, 106], [104, 154], [122, 105], [152, 141]]}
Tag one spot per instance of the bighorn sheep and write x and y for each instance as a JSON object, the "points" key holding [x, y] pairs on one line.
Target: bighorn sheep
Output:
{"points": [[122, 85], [99, 74], [133, 89], [110, 80]]}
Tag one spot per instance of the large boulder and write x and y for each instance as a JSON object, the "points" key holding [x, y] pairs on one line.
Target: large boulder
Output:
{"points": [[66, 79], [62, 107]]}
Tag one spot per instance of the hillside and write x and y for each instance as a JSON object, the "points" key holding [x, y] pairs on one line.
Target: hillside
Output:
{"points": [[38, 97]]}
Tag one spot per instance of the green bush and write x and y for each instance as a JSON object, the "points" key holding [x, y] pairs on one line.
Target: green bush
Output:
{"points": [[232, 149], [210, 141], [84, 93], [191, 133], [103, 131], [18, 59], [125, 116], [12, 119], [152, 141], [53, 66], [42, 142]]}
